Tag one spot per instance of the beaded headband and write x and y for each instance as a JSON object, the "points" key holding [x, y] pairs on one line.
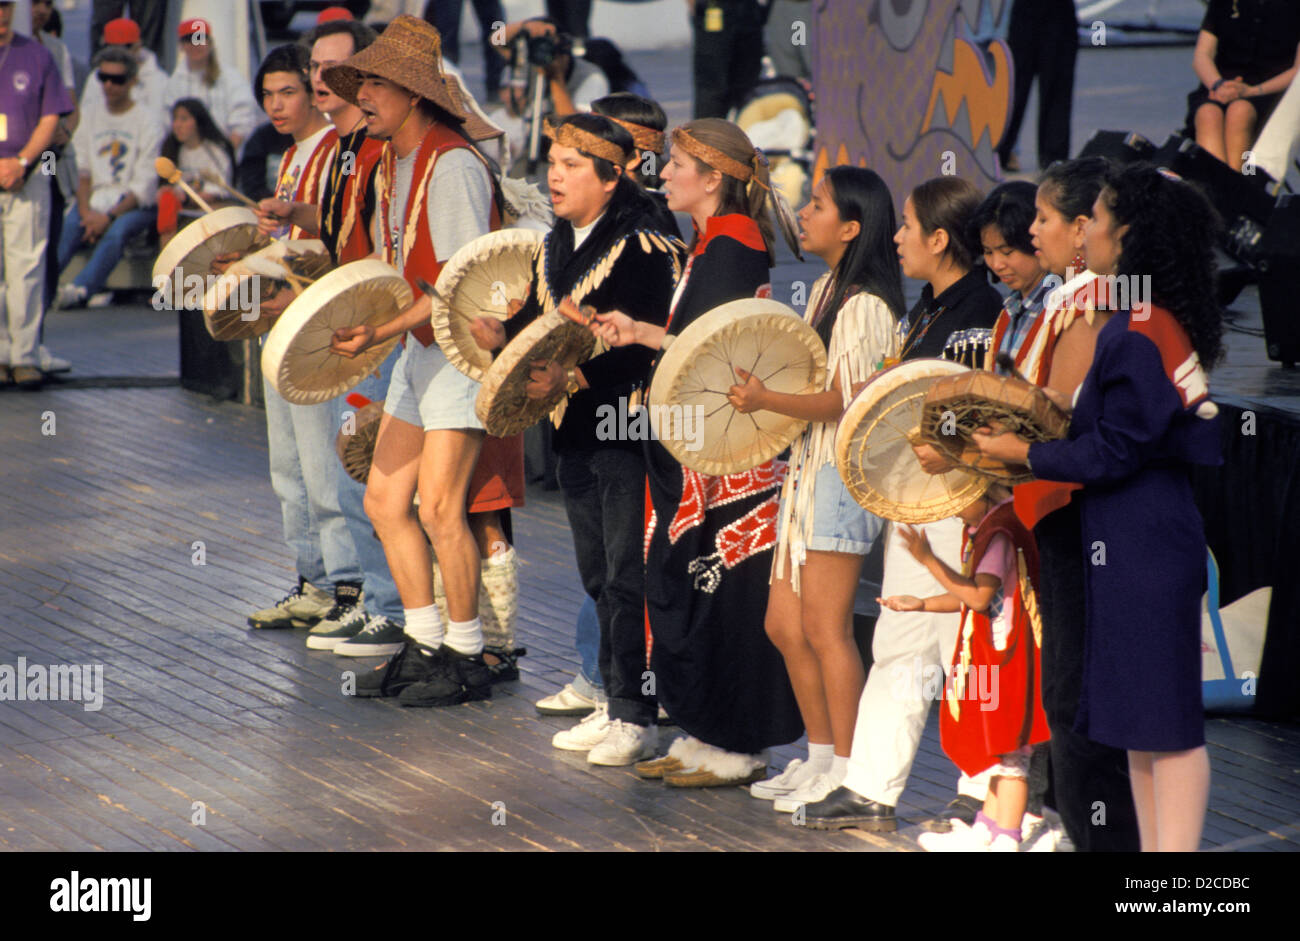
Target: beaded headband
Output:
{"points": [[567, 135], [720, 161], [645, 138]]}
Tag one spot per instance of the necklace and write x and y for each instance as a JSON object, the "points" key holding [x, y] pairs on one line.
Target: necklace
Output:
{"points": [[5, 58], [925, 323]]}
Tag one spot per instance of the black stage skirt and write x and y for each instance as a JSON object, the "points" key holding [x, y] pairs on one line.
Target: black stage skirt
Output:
{"points": [[708, 559]]}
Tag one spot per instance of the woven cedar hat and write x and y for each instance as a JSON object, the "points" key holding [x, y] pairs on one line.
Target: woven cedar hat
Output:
{"points": [[407, 53]]}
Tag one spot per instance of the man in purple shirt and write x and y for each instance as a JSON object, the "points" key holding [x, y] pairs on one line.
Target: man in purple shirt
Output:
{"points": [[32, 97]]}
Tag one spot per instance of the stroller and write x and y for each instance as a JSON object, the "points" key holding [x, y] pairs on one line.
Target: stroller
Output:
{"points": [[777, 114]]}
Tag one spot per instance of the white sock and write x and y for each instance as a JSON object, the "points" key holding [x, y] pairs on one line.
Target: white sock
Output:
{"points": [[820, 756], [424, 625], [839, 767], [465, 636]]}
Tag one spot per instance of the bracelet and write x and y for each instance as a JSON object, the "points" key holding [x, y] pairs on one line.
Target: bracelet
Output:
{"points": [[1215, 87]]}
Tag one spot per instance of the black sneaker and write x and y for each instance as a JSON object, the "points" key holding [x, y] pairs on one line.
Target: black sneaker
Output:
{"points": [[460, 678], [414, 663], [506, 665], [381, 637]]}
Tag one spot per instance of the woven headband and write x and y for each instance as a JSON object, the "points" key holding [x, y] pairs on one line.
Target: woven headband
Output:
{"points": [[567, 135], [720, 161], [645, 138]]}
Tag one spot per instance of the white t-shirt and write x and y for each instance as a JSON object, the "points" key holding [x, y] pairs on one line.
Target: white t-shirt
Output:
{"points": [[118, 152], [147, 93], [207, 156], [291, 170], [229, 100]]}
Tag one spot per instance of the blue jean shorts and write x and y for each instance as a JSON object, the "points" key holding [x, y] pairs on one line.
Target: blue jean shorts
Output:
{"points": [[839, 523], [429, 392]]}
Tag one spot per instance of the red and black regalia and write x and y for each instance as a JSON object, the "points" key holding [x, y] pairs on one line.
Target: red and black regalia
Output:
{"points": [[709, 544]]}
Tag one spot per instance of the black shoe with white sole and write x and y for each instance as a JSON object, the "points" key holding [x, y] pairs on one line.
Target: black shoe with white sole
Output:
{"points": [[380, 637]]}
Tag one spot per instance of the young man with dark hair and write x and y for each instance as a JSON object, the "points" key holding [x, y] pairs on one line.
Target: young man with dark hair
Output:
{"points": [[601, 214], [300, 438]]}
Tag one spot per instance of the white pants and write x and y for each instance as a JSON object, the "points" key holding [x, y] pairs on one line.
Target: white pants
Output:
{"points": [[911, 651], [24, 232]]}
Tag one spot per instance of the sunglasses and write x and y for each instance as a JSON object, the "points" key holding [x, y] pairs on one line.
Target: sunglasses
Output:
{"points": [[112, 78]]}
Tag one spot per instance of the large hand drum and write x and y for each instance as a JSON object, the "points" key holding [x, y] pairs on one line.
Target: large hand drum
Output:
{"points": [[183, 269], [873, 448], [231, 307], [502, 405], [297, 359], [957, 406], [762, 337], [357, 450], [480, 280]]}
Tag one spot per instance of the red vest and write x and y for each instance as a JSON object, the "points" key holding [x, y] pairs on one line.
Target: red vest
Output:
{"points": [[312, 176], [1037, 498], [421, 258], [354, 236], [974, 735]]}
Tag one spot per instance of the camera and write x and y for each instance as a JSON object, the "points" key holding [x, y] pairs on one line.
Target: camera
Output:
{"points": [[544, 49]]}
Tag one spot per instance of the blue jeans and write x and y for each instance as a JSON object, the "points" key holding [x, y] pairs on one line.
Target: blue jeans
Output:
{"points": [[305, 472], [586, 641], [382, 598], [108, 250]]}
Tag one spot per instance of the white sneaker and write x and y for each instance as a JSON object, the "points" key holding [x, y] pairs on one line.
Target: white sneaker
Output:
{"points": [[1004, 844], [815, 789], [586, 735], [50, 363], [972, 839], [795, 773], [69, 295], [624, 744], [567, 702], [1045, 834]]}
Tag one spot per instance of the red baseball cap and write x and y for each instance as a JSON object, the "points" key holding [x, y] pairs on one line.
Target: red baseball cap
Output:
{"points": [[330, 14], [196, 25], [121, 32]]}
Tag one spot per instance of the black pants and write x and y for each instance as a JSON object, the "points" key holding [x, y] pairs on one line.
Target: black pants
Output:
{"points": [[1090, 782], [570, 16], [604, 494], [445, 15], [1044, 42], [726, 62]]}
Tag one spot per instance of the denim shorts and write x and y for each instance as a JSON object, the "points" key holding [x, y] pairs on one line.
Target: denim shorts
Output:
{"points": [[839, 524], [429, 392]]}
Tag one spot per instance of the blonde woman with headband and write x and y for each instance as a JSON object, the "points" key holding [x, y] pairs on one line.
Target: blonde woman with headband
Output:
{"points": [[716, 673]]}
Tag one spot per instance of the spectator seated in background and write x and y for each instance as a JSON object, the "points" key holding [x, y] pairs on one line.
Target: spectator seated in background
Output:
{"points": [[222, 91], [1246, 55], [150, 79], [197, 146], [116, 148]]}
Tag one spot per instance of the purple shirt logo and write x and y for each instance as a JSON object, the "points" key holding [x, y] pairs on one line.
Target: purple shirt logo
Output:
{"points": [[22, 81]]}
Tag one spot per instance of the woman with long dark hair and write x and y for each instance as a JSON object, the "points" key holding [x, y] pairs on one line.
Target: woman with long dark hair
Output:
{"points": [[198, 148], [715, 670], [823, 535], [953, 320], [1141, 419]]}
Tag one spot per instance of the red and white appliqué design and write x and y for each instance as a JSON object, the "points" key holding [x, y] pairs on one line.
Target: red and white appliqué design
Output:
{"points": [[751, 534]]}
